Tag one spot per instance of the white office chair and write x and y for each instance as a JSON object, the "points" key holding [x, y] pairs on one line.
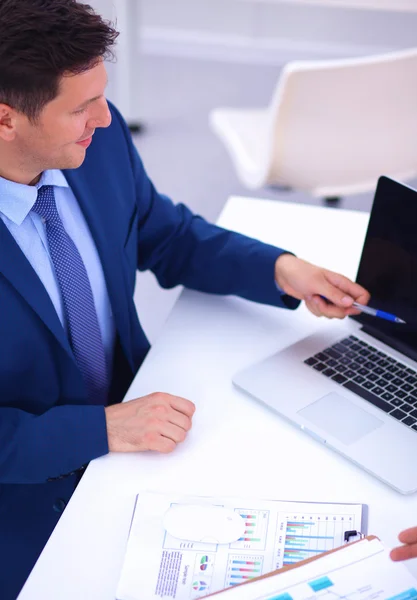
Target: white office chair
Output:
{"points": [[332, 128]]}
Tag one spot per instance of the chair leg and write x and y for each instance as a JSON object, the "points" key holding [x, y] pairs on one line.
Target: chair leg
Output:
{"points": [[332, 201], [137, 127]]}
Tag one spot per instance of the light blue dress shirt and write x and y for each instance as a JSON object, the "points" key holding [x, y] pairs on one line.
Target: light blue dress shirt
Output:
{"points": [[28, 230]]}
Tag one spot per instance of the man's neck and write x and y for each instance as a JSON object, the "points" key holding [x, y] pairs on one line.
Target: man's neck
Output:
{"points": [[21, 178]]}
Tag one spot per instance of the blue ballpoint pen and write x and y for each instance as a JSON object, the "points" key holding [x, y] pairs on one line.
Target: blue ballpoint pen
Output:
{"points": [[374, 312], [377, 313]]}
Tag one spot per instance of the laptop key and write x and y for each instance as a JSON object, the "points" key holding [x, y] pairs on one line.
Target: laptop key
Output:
{"points": [[339, 348], [388, 376], [397, 381], [407, 407], [320, 356], [411, 379], [339, 378], [367, 395], [402, 375], [382, 382], [340, 368], [411, 400], [368, 365], [368, 385], [333, 354], [391, 388], [387, 396], [319, 366], [350, 374], [378, 371], [407, 387], [351, 354], [414, 427], [329, 372], [409, 421], [310, 361], [331, 362], [401, 394], [413, 414], [378, 391], [398, 414], [363, 372], [383, 363], [360, 359], [397, 402], [359, 379], [372, 377]]}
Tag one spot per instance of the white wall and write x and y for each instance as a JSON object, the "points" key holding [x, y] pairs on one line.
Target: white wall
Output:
{"points": [[264, 29]]}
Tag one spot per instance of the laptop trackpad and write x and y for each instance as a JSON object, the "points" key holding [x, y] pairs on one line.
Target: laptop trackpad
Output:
{"points": [[341, 418]]}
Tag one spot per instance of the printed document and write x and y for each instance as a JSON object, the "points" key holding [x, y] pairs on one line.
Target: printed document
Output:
{"points": [[275, 534]]}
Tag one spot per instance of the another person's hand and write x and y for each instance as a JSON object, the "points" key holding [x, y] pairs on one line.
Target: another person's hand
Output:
{"points": [[409, 549], [156, 422], [308, 282]]}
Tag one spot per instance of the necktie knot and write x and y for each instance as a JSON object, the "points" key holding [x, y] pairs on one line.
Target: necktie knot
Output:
{"points": [[45, 205]]}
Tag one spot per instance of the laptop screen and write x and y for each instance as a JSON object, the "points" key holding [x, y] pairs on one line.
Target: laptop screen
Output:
{"points": [[388, 266]]}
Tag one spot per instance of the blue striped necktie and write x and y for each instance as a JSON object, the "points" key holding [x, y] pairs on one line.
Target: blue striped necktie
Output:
{"points": [[77, 296]]}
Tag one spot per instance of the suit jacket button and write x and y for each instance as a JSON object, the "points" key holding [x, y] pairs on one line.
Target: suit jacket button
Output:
{"points": [[59, 505]]}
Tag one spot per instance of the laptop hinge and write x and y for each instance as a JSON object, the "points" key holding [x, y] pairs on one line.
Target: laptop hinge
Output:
{"points": [[390, 341]]}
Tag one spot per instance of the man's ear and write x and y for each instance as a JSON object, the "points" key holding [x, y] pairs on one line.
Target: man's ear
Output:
{"points": [[8, 118]]}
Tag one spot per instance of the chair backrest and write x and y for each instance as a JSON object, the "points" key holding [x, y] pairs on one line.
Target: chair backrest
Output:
{"points": [[338, 125]]}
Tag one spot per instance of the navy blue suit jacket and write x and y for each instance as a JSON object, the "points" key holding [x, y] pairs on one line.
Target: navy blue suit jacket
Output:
{"points": [[47, 428]]}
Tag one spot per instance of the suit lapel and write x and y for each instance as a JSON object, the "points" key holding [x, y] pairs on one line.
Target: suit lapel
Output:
{"points": [[17, 269]]}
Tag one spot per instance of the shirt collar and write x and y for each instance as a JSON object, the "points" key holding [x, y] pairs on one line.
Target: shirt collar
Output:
{"points": [[18, 199]]}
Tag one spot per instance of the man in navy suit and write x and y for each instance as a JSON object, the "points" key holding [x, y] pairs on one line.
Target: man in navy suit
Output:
{"points": [[78, 217]]}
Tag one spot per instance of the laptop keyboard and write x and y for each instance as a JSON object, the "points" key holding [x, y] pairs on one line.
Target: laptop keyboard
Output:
{"points": [[373, 375]]}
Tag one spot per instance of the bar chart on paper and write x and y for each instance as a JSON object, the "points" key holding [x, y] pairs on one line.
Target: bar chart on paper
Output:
{"points": [[256, 530], [241, 568], [303, 536]]}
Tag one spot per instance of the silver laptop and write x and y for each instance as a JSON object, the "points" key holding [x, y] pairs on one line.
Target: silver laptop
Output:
{"points": [[353, 385]]}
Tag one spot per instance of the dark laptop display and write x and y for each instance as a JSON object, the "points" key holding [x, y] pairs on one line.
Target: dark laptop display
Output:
{"points": [[388, 266]]}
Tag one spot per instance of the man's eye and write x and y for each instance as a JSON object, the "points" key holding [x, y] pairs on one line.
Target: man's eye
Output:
{"points": [[80, 112]]}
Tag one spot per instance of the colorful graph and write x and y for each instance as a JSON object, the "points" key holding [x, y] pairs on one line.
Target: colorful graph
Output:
{"points": [[304, 536], [240, 568], [200, 586], [256, 527]]}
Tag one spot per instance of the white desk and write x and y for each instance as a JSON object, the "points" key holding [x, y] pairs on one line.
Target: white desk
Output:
{"points": [[236, 447]]}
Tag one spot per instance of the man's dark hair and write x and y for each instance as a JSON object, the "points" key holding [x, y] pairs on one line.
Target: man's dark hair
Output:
{"points": [[42, 40]]}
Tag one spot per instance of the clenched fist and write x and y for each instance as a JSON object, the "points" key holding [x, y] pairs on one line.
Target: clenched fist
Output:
{"points": [[155, 422]]}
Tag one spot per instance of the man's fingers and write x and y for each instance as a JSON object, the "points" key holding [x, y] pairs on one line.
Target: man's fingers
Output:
{"points": [[164, 445], [312, 307], [404, 552], [174, 433], [325, 309], [180, 420], [182, 405], [348, 287], [408, 536]]}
